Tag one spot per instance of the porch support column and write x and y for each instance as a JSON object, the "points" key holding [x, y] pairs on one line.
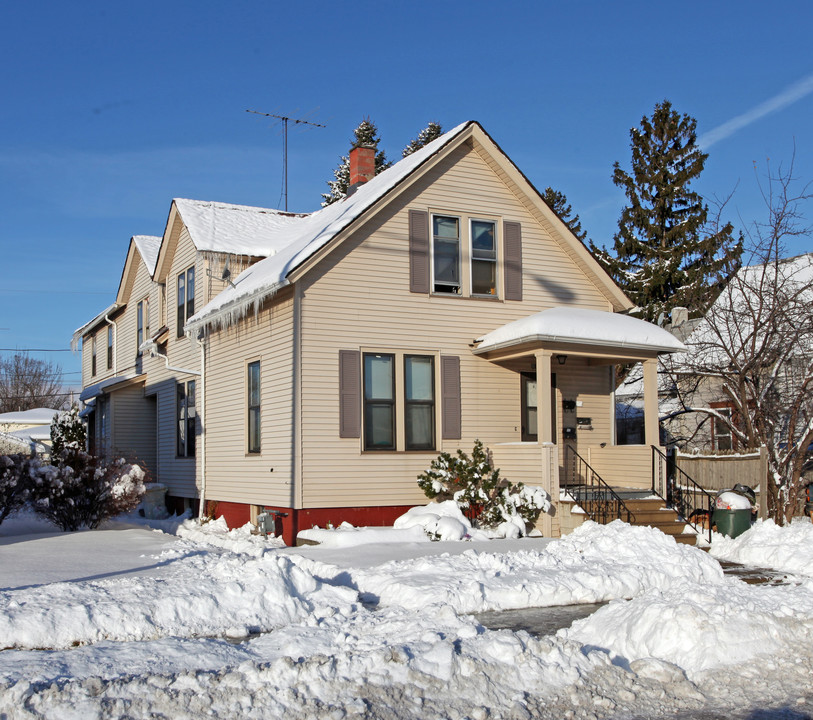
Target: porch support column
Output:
{"points": [[549, 453], [651, 433], [544, 397]]}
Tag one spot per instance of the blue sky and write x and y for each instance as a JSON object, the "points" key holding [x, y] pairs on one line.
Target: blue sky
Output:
{"points": [[109, 110]]}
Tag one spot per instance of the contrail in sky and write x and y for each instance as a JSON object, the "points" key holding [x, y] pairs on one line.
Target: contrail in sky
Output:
{"points": [[787, 97]]}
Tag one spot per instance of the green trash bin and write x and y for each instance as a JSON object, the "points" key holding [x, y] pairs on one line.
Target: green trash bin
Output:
{"points": [[732, 523]]}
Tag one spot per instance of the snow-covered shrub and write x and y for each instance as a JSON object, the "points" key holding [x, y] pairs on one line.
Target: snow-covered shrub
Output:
{"points": [[80, 490], [476, 486], [15, 484], [67, 432]]}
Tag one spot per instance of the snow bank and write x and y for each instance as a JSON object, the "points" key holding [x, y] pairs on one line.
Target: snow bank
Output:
{"points": [[766, 544], [346, 536], [593, 564], [700, 627], [235, 595]]}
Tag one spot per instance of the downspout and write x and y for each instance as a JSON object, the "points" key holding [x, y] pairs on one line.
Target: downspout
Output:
{"points": [[152, 348], [115, 343], [201, 510]]}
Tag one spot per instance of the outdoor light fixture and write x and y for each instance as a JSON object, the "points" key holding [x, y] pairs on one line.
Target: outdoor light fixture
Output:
{"points": [[561, 359]]}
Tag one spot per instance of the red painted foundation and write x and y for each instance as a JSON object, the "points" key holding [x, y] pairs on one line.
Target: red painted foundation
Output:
{"points": [[238, 514]]}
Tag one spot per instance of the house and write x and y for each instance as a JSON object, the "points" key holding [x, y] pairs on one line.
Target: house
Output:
{"points": [[27, 431], [738, 405], [316, 364]]}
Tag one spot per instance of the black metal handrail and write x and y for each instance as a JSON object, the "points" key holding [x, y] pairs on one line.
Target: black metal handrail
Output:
{"points": [[692, 503], [591, 493]]}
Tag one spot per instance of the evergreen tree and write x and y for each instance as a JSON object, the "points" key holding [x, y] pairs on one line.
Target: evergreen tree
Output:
{"points": [[428, 134], [366, 134], [666, 252], [557, 201]]}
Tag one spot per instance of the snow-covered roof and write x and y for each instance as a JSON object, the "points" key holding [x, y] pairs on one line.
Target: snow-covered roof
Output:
{"points": [[40, 433], [301, 237], [236, 229], [581, 326], [728, 327], [93, 391], [148, 247], [36, 416], [88, 326]]}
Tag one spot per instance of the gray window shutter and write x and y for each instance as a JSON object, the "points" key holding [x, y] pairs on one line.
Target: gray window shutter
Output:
{"points": [[418, 251], [450, 392], [349, 393], [512, 244]]}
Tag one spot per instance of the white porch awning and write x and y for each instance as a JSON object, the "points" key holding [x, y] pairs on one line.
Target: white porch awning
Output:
{"points": [[93, 391], [582, 327]]}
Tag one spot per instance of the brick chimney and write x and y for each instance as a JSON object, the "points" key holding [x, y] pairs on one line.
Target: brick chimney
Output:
{"points": [[362, 166]]}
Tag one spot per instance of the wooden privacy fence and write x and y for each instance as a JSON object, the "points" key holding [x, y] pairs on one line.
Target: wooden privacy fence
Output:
{"points": [[722, 472]]}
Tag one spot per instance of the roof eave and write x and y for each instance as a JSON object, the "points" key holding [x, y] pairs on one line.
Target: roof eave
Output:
{"points": [[541, 339]]}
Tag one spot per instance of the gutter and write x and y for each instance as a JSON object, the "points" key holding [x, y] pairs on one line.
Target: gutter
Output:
{"points": [[575, 341]]}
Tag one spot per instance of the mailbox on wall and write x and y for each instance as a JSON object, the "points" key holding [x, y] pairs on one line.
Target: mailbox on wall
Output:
{"points": [[569, 433]]}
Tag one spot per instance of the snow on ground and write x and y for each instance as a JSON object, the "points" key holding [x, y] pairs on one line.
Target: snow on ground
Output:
{"points": [[768, 545], [206, 622]]}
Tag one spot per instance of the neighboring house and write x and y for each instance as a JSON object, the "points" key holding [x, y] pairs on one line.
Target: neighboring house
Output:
{"points": [[316, 364], [27, 430]]}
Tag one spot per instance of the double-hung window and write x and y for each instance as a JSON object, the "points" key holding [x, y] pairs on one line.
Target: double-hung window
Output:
{"points": [[419, 402], [721, 430], [483, 257], [185, 297], [253, 394], [379, 401], [446, 254], [185, 419], [109, 347], [93, 355], [399, 402]]}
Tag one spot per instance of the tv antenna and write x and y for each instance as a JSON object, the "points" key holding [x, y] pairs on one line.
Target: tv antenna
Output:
{"points": [[285, 119]]}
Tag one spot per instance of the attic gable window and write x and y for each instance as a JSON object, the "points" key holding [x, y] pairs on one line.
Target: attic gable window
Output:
{"points": [[185, 297], [93, 355], [109, 347], [446, 254]]}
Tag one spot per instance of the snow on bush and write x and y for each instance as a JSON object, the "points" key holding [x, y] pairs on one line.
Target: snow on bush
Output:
{"points": [[82, 491], [477, 488], [14, 483], [67, 432]]}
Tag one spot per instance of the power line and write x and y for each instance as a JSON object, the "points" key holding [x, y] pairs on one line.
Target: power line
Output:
{"points": [[27, 350]]}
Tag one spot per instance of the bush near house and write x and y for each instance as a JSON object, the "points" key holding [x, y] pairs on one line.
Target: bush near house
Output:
{"points": [[15, 486], [81, 494], [82, 491], [476, 486]]}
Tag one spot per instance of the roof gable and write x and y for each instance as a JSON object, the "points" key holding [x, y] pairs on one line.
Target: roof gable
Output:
{"points": [[143, 248], [307, 237]]}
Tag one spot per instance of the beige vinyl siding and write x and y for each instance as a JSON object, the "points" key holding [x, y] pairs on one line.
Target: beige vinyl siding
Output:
{"points": [[589, 385], [133, 425], [178, 473], [623, 465], [231, 472], [358, 298]]}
